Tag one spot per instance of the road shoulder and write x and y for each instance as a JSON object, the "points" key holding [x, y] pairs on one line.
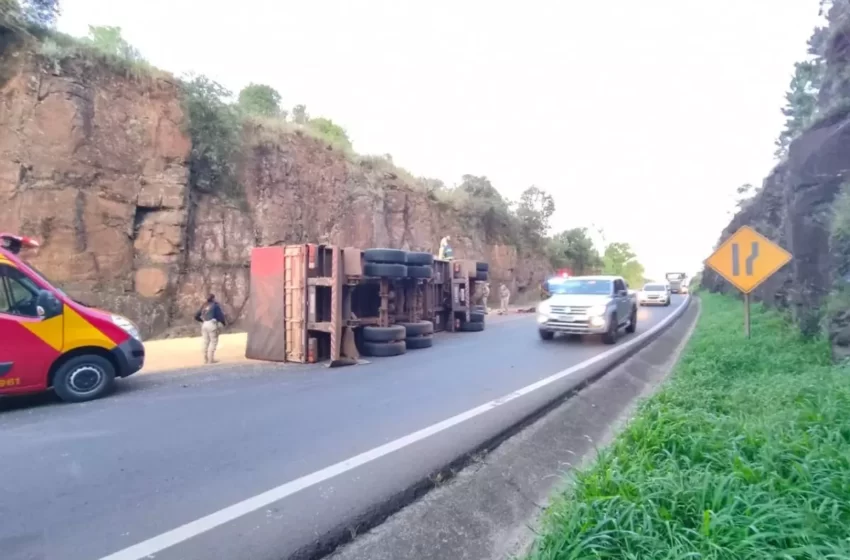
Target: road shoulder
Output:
{"points": [[490, 509]]}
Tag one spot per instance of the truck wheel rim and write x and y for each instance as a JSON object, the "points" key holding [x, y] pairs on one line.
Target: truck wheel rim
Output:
{"points": [[85, 379]]}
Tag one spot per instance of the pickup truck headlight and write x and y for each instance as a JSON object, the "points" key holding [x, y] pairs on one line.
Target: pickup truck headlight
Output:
{"points": [[127, 326], [597, 310], [544, 308]]}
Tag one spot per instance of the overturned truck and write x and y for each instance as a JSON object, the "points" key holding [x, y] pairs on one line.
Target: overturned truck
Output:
{"points": [[312, 303]]}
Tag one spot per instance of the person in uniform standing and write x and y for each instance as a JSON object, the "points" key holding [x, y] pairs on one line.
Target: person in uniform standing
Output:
{"points": [[504, 298], [485, 296], [212, 321]]}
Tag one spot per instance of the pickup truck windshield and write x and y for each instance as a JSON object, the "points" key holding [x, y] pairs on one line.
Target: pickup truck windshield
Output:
{"points": [[583, 287], [654, 288]]}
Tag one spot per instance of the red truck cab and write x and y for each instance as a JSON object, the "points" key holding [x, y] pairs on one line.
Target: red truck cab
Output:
{"points": [[49, 340]]}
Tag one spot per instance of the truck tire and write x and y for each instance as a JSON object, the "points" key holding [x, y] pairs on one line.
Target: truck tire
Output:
{"points": [[417, 258], [482, 266], [471, 327], [419, 342], [476, 317], [84, 378], [392, 256], [384, 334], [481, 275], [546, 335], [384, 349], [384, 270], [418, 328], [632, 321], [610, 337], [667, 303], [419, 271]]}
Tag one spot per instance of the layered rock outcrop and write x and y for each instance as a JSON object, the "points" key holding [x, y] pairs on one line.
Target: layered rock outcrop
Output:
{"points": [[95, 164], [800, 206]]}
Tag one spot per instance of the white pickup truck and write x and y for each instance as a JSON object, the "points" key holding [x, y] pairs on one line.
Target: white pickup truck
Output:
{"points": [[588, 305]]}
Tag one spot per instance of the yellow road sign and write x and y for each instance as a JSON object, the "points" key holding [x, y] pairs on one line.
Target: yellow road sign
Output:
{"points": [[747, 259]]}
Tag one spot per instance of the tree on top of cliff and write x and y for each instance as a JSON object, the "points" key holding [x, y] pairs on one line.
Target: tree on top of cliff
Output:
{"points": [[330, 132], [42, 13], [260, 100], [299, 114], [574, 248], [214, 127], [476, 196], [801, 102], [108, 40], [534, 210]]}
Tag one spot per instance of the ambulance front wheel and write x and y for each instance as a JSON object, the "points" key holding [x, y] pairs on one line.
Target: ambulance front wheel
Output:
{"points": [[84, 378]]}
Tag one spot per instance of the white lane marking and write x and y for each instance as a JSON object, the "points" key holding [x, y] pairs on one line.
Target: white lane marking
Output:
{"points": [[194, 528]]}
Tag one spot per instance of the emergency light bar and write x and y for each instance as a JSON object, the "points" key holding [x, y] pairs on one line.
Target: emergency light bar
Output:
{"points": [[14, 243]]}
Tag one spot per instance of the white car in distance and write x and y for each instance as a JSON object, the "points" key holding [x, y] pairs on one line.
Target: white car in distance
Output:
{"points": [[654, 293]]}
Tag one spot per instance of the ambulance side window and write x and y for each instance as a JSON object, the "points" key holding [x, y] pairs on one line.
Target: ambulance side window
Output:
{"points": [[5, 306], [21, 293]]}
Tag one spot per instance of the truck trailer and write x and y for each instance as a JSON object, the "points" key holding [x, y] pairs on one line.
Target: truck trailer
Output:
{"points": [[314, 302]]}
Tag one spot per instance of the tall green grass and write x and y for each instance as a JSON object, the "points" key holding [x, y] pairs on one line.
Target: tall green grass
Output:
{"points": [[744, 453]]}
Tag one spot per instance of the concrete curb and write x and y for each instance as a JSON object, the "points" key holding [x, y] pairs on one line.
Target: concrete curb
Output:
{"points": [[476, 440], [488, 509]]}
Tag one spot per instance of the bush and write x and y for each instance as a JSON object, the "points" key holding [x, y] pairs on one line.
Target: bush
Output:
{"points": [[330, 132], [214, 125], [260, 100]]}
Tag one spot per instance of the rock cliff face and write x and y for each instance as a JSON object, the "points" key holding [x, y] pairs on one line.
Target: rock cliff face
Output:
{"points": [[96, 166], [802, 206]]}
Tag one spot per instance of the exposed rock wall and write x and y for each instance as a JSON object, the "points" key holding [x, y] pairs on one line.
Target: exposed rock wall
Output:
{"points": [[96, 166], [797, 207]]}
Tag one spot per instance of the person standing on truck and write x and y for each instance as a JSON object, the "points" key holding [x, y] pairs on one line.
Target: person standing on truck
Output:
{"points": [[212, 321], [445, 248], [504, 297]]}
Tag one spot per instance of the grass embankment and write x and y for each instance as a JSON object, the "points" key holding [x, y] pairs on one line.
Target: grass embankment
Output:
{"points": [[744, 453]]}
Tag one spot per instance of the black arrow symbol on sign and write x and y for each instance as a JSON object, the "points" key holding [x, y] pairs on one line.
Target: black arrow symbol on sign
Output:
{"points": [[736, 259]]}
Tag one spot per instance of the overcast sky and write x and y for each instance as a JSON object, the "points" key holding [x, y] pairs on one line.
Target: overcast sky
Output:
{"points": [[641, 117]]}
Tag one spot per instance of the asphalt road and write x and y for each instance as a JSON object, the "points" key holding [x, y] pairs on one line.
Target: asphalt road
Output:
{"points": [[84, 481]]}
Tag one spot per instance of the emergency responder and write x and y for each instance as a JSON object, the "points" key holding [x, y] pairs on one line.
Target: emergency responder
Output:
{"points": [[485, 296], [445, 248], [504, 297], [212, 321]]}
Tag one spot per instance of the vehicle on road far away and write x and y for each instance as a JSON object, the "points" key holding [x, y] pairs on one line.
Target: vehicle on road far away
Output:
{"points": [[677, 280], [48, 339], [588, 305], [654, 294]]}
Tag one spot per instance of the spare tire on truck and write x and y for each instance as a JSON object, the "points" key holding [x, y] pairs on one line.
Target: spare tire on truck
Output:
{"points": [[418, 258], [481, 275], [384, 349], [482, 266], [419, 334], [419, 271], [469, 326], [379, 255], [384, 334], [384, 341], [384, 270]]}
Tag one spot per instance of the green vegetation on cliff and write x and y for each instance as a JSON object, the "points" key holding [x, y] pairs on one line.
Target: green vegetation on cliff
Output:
{"points": [[221, 125], [744, 453]]}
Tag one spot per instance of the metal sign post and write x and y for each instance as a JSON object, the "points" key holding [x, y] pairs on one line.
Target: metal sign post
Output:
{"points": [[746, 260]]}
